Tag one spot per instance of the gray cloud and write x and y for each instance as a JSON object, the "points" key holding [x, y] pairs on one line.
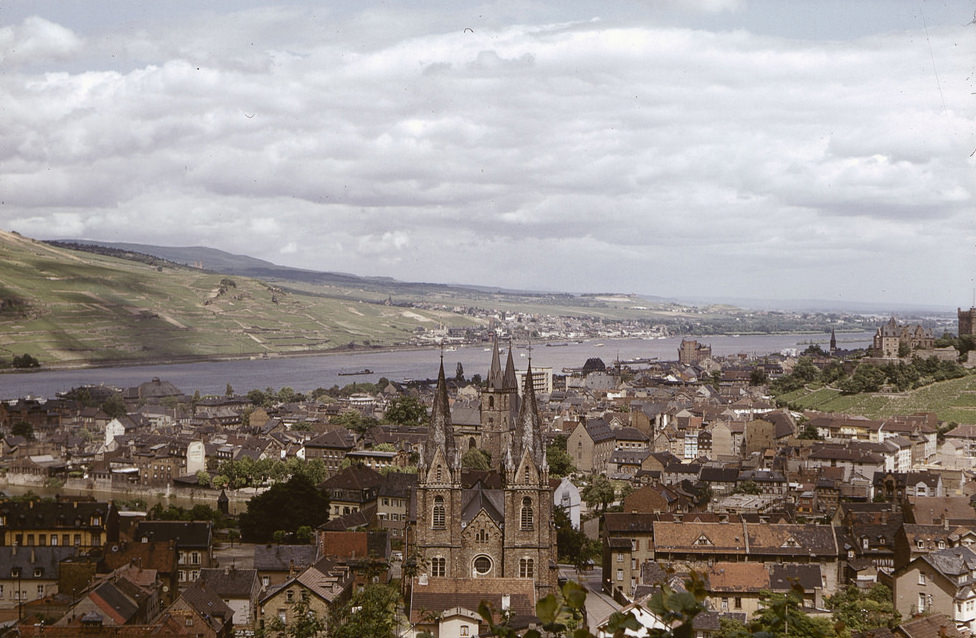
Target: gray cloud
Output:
{"points": [[611, 154]]}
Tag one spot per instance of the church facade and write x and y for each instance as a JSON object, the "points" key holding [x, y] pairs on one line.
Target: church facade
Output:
{"points": [[495, 524]]}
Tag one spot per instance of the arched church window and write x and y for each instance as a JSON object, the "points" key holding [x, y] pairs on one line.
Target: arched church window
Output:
{"points": [[491, 403], [438, 519], [482, 565], [482, 536], [472, 444], [526, 517], [526, 568]]}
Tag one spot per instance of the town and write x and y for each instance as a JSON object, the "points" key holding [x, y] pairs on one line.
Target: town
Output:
{"points": [[453, 508]]}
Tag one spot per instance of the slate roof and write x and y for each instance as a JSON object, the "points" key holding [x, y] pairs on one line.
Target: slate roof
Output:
{"points": [[933, 626], [782, 576], [208, 605], [230, 583], [280, 558], [953, 562], [479, 498], [186, 534], [446, 593], [110, 599], [28, 559], [52, 515]]}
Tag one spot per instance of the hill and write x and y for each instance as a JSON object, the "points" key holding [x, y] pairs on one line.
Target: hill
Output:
{"points": [[70, 307], [952, 400]]}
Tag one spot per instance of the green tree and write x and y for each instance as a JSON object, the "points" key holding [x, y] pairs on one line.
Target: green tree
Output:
{"points": [[475, 459], [25, 361], [747, 487], [229, 391], [304, 623], [114, 406], [599, 492], [406, 410], [781, 616], [572, 545], [371, 612], [24, 429], [809, 432], [860, 610], [203, 479], [285, 506], [560, 462]]}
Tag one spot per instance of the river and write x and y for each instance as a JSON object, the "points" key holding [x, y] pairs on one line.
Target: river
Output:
{"points": [[305, 373]]}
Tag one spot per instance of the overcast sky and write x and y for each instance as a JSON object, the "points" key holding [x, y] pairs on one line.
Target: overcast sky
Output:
{"points": [[715, 148]]}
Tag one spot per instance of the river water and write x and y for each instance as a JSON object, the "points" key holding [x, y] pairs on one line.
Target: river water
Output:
{"points": [[306, 373]]}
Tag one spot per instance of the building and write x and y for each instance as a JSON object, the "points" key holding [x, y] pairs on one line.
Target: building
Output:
{"points": [[692, 353], [499, 526], [939, 582], [967, 321], [541, 380], [499, 406], [74, 523]]}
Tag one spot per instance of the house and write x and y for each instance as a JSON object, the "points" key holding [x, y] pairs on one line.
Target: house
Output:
{"points": [[29, 573], [352, 489], [201, 613], [323, 586], [62, 523], [193, 541], [277, 563], [939, 582], [590, 444], [448, 607], [239, 589]]}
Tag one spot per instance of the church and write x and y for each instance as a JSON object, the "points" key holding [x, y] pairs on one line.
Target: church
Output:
{"points": [[487, 525]]}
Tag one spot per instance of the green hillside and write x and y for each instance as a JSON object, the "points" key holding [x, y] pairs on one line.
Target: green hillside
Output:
{"points": [[69, 307], [953, 400]]}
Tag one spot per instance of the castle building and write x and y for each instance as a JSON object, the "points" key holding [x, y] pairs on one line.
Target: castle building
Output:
{"points": [[890, 337], [692, 353], [967, 321], [496, 524]]}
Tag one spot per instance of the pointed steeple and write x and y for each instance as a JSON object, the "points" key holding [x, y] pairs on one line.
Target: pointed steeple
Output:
{"points": [[440, 432], [495, 371], [510, 381], [833, 340], [528, 427]]}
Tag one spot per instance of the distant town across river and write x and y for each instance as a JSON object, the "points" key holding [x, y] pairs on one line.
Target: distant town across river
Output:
{"points": [[305, 373]]}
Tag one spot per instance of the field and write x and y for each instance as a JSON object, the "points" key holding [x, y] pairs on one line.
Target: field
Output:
{"points": [[953, 400], [67, 307]]}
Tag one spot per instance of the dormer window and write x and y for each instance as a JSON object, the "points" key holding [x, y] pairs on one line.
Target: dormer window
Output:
{"points": [[919, 544], [38, 572], [15, 572], [96, 521], [941, 544], [703, 540]]}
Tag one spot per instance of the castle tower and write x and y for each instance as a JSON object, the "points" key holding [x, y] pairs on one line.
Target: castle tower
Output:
{"points": [[967, 321], [439, 490], [499, 406]]}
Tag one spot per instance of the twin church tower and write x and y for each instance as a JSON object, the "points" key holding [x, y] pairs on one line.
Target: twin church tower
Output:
{"points": [[495, 524]]}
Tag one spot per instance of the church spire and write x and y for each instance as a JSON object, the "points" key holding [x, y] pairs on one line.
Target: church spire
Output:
{"points": [[833, 341], [495, 371], [440, 432], [528, 427], [510, 381]]}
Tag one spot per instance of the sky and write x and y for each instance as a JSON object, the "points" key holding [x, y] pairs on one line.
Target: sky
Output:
{"points": [[711, 149]]}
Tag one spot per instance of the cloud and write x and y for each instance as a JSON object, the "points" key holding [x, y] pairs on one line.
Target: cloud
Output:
{"points": [[35, 41], [607, 155]]}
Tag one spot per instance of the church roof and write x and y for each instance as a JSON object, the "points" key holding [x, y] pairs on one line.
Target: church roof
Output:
{"points": [[528, 429], [440, 432], [495, 371], [480, 498]]}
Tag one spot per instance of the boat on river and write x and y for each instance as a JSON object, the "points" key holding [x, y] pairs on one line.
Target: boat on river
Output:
{"points": [[355, 373]]}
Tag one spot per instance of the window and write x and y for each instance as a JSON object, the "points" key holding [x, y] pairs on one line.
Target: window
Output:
{"points": [[30, 539], [438, 567], [738, 602], [620, 558], [634, 544], [195, 558], [439, 474], [54, 540], [42, 539], [526, 568], [526, 518], [482, 536], [77, 539], [725, 604], [918, 543], [290, 595], [37, 572], [482, 565], [40, 591], [620, 574], [464, 631], [438, 519], [941, 544], [265, 581], [921, 603], [921, 578]]}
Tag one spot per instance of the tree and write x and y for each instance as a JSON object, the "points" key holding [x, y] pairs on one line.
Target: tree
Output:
{"points": [[598, 492], [285, 506], [860, 610], [406, 410], [203, 479], [371, 612], [27, 361], [475, 459], [758, 376], [114, 406], [304, 623], [572, 545], [229, 391], [810, 432], [781, 616], [747, 487], [560, 462], [24, 429]]}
